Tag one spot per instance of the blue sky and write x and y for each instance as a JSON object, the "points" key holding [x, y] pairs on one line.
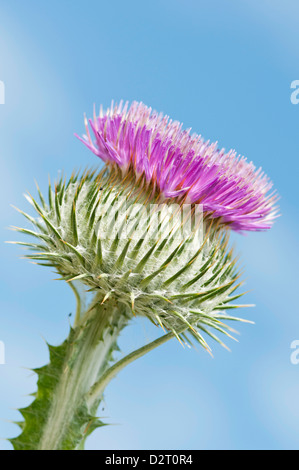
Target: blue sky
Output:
{"points": [[224, 69]]}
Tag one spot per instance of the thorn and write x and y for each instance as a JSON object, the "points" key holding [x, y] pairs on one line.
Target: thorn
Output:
{"points": [[133, 303], [106, 297]]}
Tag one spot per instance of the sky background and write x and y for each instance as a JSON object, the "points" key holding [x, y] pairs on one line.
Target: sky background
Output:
{"points": [[224, 69]]}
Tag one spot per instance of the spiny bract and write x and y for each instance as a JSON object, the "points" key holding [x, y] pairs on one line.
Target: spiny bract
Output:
{"points": [[152, 270]]}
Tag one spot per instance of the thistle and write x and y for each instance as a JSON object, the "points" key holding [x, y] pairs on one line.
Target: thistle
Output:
{"points": [[148, 235]]}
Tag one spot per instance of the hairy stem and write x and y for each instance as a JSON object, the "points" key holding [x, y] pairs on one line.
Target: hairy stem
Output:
{"points": [[87, 356], [79, 304], [71, 386]]}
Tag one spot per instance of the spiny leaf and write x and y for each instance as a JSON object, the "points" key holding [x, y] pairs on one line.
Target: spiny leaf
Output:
{"points": [[144, 260], [74, 224], [76, 252], [57, 208], [41, 197]]}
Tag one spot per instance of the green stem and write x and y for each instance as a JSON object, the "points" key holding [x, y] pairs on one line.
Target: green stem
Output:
{"points": [[60, 418], [71, 386], [85, 360], [79, 304], [99, 387]]}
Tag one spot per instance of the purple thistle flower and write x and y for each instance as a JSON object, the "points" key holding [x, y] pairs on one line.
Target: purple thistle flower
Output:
{"points": [[181, 165]]}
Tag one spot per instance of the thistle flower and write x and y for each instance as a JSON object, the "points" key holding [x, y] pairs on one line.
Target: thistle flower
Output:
{"points": [[181, 165], [124, 235]]}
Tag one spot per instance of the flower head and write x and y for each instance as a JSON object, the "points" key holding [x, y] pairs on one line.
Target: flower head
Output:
{"points": [[122, 232], [180, 165]]}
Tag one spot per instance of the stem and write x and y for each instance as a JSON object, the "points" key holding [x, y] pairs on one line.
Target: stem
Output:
{"points": [[86, 357], [79, 304], [99, 387], [71, 386]]}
